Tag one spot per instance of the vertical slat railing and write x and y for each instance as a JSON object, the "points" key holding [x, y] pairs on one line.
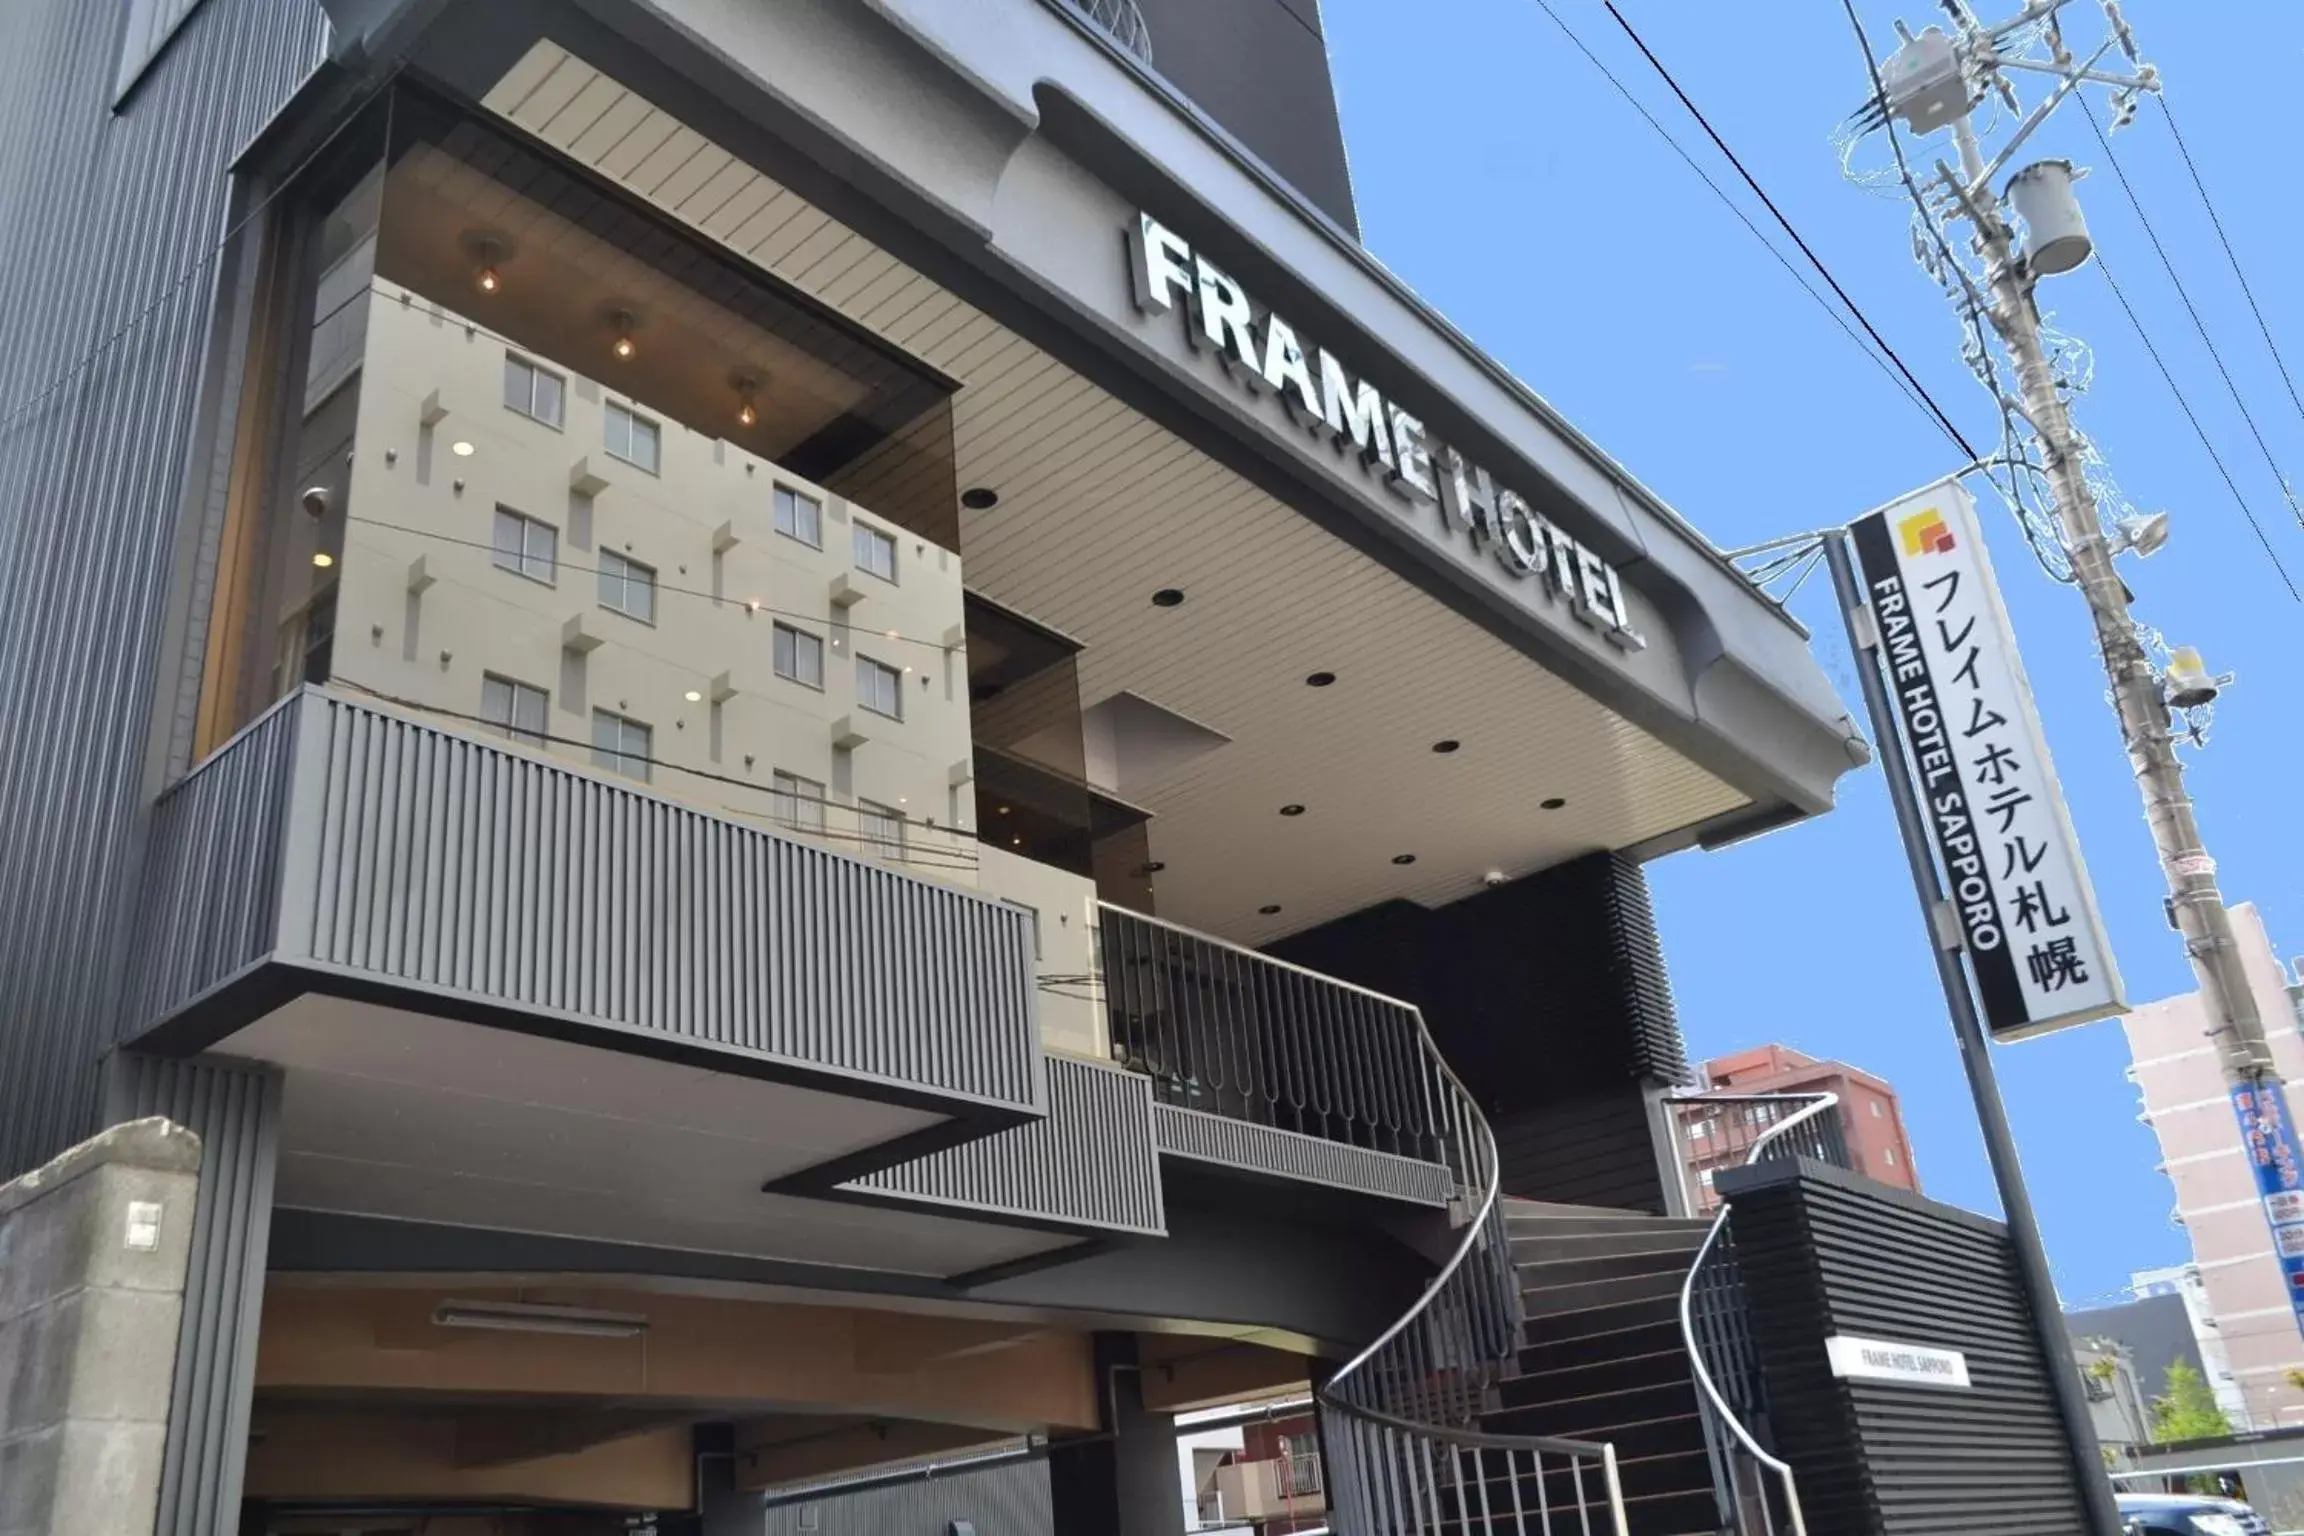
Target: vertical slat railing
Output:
{"points": [[1225, 1029], [1754, 1486]]}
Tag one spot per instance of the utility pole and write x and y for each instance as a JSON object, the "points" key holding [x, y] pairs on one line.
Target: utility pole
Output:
{"points": [[1932, 81], [1936, 81]]}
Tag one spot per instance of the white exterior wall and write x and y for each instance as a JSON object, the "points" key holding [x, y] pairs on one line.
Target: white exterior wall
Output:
{"points": [[704, 522], [2243, 1294]]}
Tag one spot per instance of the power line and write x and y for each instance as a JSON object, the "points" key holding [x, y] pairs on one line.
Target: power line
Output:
{"points": [[2229, 255], [2169, 266], [2199, 431], [1942, 420], [1910, 390]]}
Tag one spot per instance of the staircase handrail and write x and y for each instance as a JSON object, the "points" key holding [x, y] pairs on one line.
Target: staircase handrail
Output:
{"points": [[1474, 1151], [1818, 1104]]}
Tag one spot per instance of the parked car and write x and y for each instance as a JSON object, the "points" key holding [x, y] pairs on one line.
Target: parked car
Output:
{"points": [[2187, 1514]]}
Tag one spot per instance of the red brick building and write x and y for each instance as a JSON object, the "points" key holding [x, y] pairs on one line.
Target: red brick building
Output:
{"points": [[1718, 1135]]}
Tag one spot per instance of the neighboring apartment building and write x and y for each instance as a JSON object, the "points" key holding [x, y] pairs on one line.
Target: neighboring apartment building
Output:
{"points": [[2244, 1300], [1719, 1133], [2180, 1285], [2115, 1392], [701, 685]]}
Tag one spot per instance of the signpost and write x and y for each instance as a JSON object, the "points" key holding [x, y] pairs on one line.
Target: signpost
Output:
{"points": [[1994, 811], [1928, 617]]}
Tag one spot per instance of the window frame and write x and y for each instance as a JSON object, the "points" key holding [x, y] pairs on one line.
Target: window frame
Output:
{"points": [[509, 727], [626, 580], [633, 421], [863, 535], [867, 665], [804, 794], [895, 843], [520, 561], [558, 421], [798, 498], [775, 659], [611, 759]]}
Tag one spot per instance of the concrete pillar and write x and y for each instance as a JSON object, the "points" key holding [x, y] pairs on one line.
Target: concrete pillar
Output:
{"points": [[234, 1107], [93, 1249], [1124, 1481]]}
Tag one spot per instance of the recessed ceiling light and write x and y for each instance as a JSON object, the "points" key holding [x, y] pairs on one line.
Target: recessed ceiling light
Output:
{"points": [[462, 450], [1403, 858], [1291, 810], [323, 559], [979, 498], [1168, 597], [1002, 809], [1319, 679], [1267, 911], [693, 697], [1554, 803], [1446, 747], [1154, 867]]}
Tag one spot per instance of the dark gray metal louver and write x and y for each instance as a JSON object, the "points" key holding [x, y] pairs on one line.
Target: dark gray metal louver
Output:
{"points": [[1123, 21]]}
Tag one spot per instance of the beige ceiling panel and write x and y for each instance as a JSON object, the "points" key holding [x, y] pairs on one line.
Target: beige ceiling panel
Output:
{"points": [[1100, 508]]}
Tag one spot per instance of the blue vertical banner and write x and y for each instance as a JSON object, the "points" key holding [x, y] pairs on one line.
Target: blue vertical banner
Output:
{"points": [[2268, 1136]]}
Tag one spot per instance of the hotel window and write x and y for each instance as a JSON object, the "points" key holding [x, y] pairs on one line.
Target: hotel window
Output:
{"points": [[534, 392], [320, 637], [799, 517], [527, 547], [1876, 1111], [879, 688], [799, 656], [796, 802], [882, 828], [876, 552], [620, 745], [513, 709], [627, 587], [633, 438], [1890, 1154]]}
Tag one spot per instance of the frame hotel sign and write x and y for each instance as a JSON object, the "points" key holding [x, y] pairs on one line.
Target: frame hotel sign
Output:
{"points": [[1995, 813], [1265, 353]]}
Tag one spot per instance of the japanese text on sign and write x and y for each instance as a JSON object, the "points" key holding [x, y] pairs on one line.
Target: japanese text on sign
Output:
{"points": [[1995, 812]]}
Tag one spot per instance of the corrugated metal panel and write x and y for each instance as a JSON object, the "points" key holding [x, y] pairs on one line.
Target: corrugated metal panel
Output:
{"points": [[211, 901], [235, 1111], [1207, 1138], [1827, 1252], [1090, 1166], [150, 24], [1009, 1500], [409, 854], [107, 222]]}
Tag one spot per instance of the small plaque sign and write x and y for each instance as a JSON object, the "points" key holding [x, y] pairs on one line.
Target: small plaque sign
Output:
{"points": [[1909, 1365]]}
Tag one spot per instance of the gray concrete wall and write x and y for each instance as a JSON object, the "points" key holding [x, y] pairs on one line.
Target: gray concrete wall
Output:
{"points": [[93, 1249]]}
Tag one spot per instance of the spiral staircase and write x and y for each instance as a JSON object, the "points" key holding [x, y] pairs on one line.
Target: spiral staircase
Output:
{"points": [[1569, 1369]]}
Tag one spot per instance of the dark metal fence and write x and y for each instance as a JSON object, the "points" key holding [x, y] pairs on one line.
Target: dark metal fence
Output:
{"points": [[1235, 1033], [1727, 1130], [1756, 1490]]}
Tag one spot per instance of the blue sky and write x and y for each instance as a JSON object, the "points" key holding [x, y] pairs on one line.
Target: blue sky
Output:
{"points": [[1501, 175]]}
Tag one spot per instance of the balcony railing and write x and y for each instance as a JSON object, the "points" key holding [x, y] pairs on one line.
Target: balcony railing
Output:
{"points": [[337, 846], [1231, 1032]]}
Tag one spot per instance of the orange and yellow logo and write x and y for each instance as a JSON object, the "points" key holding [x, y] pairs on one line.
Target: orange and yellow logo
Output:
{"points": [[1925, 533]]}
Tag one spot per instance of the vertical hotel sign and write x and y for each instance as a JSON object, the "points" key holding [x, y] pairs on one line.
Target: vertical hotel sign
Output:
{"points": [[1995, 812], [2269, 1139]]}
